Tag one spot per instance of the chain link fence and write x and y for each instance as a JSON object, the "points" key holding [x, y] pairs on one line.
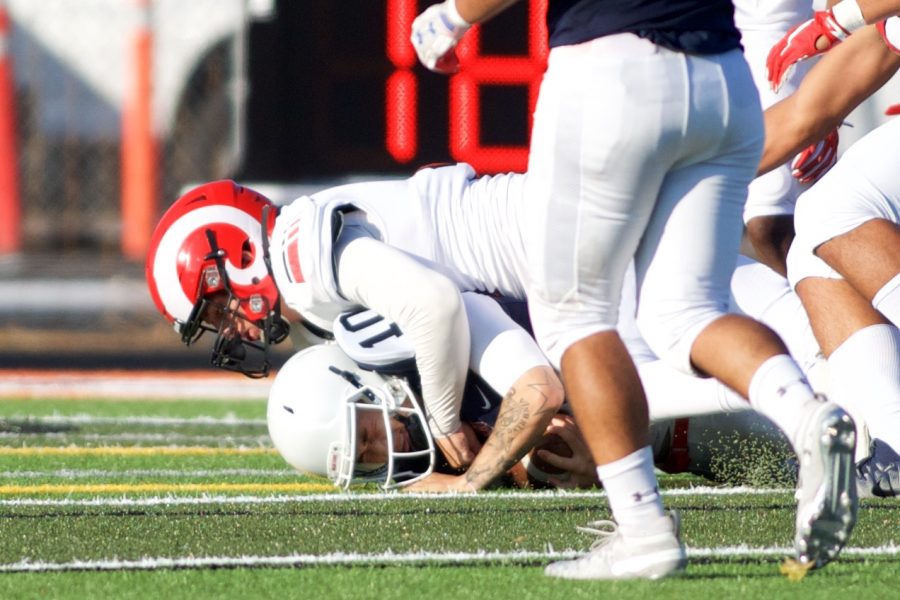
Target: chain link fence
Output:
{"points": [[74, 69]]}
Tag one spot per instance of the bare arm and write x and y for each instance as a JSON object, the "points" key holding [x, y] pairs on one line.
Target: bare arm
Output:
{"points": [[842, 79], [479, 11], [876, 10], [524, 414], [507, 358]]}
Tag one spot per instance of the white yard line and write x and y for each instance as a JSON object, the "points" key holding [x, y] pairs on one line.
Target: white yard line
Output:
{"points": [[261, 440], [131, 385], [362, 497], [107, 474], [388, 559], [83, 419]]}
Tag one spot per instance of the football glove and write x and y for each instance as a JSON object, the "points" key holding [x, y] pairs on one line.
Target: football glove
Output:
{"points": [[435, 34], [811, 38], [815, 161]]}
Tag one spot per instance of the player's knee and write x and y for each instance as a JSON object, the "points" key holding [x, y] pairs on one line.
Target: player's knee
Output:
{"points": [[671, 334]]}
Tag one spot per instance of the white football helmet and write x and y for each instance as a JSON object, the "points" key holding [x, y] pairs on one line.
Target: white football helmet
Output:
{"points": [[313, 408]]}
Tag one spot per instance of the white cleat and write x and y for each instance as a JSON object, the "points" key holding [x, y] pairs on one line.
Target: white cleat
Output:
{"points": [[613, 556], [826, 495]]}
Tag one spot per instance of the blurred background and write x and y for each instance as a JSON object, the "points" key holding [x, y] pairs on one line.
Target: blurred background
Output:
{"points": [[109, 109]]}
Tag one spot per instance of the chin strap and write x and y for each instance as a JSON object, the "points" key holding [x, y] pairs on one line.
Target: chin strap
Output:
{"points": [[279, 327]]}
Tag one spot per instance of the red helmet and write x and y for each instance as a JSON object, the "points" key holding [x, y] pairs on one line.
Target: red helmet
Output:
{"points": [[211, 240]]}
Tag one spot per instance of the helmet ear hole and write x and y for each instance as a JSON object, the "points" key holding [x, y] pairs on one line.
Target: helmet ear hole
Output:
{"points": [[246, 254]]}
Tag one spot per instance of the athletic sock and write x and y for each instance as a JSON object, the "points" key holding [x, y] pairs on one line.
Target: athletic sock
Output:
{"points": [[887, 300], [779, 391], [865, 379], [633, 493]]}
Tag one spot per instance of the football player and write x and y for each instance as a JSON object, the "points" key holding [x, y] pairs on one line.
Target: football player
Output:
{"points": [[844, 263], [627, 165], [699, 444], [845, 266]]}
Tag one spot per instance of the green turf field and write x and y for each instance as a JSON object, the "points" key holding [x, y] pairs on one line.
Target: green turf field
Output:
{"points": [[168, 499]]}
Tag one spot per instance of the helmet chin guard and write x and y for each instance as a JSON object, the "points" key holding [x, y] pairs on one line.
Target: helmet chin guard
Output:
{"points": [[209, 255]]}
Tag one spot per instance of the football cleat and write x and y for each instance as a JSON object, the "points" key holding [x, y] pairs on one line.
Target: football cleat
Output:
{"points": [[879, 473], [614, 556], [826, 494]]}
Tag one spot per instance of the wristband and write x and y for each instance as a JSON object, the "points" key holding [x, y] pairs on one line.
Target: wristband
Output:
{"points": [[846, 14], [890, 33]]}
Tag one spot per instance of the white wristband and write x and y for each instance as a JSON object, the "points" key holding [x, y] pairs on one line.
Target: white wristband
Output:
{"points": [[457, 20], [846, 13]]}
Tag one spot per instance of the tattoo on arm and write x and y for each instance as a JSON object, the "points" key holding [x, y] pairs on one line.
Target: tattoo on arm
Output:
{"points": [[516, 411]]}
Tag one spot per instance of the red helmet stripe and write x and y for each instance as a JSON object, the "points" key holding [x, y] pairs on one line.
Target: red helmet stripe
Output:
{"points": [[292, 252]]}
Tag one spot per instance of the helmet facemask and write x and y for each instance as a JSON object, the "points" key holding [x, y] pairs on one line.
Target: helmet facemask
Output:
{"points": [[394, 401], [231, 351]]}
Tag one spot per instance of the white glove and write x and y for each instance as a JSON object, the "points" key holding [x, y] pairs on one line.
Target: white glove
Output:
{"points": [[435, 34]]}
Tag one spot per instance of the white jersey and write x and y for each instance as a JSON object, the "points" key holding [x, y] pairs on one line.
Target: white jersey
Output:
{"points": [[862, 186], [468, 226], [770, 15], [438, 229]]}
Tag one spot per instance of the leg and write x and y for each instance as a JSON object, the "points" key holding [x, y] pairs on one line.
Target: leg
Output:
{"points": [[868, 257], [863, 352], [593, 185], [619, 415], [836, 311], [684, 317]]}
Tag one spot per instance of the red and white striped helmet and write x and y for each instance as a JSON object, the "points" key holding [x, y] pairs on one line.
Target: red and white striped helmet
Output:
{"points": [[181, 264], [212, 239]]}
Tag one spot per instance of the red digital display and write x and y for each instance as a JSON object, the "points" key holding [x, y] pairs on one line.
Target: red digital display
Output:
{"points": [[344, 93], [476, 71]]}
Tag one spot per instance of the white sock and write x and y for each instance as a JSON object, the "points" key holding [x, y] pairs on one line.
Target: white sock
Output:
{"points": [[887, 300], [779, 391], [633, 492], [865, 378]]}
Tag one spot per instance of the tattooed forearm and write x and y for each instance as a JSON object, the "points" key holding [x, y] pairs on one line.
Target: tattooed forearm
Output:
{"points": [[524, 414]]}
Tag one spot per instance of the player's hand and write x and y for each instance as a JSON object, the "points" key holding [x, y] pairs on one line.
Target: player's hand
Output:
{"points": [[813, 37], [460, 447], [435, 34], [580, 469], [815, 161], [442, 483]]}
